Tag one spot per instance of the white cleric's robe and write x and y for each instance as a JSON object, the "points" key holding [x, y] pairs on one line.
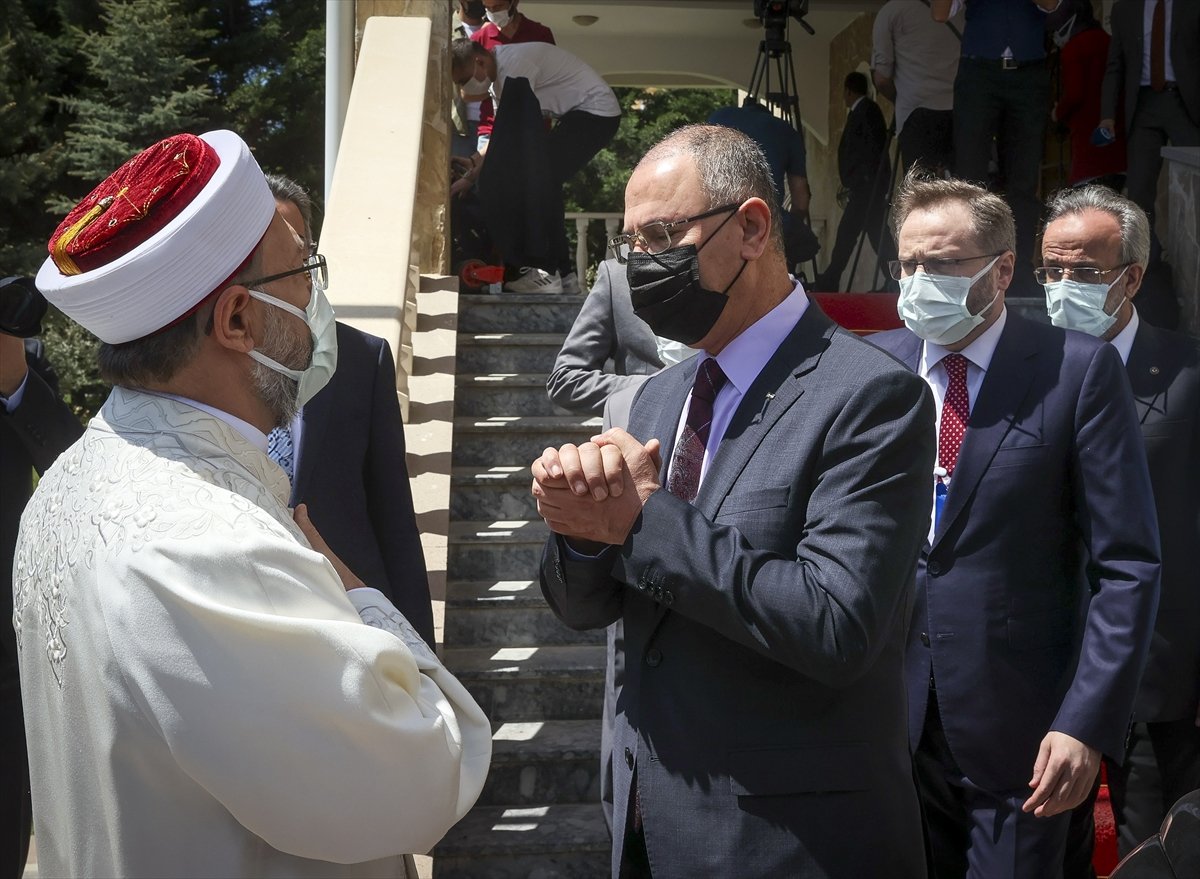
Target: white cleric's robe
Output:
{"points": [[202, 696]]}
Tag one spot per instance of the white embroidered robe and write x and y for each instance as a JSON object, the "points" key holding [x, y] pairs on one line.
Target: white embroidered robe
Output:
{"points": [[202, 696]]}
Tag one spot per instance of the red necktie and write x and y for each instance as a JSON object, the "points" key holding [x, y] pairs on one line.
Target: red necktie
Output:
{"points": [[687, 461], [1158, 47], [956, 412]]}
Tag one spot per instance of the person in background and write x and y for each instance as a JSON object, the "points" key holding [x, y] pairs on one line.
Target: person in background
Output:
{"points": [[1154, 67], [862, 153], [913, 63], [1001, 104], [209, 690], [35, 427], [1095, 249], [1083, 56], [1039, 577], [466, 107], [784, 148], [767, 568], [344, 454], [585, 116]]}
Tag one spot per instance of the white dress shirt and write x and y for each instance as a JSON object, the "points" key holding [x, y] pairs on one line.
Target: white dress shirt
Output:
{"points": [[1123, 341]]}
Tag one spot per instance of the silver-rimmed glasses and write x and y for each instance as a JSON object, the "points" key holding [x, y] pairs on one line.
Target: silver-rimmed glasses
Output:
{"points": [[655, 238]]}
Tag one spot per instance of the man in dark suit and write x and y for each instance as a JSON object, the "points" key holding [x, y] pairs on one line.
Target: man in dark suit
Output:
{"points": [[765, 574], [1154, 65], [863, 172], [35, 427], [1038, 582], [1094, 252], [348, 465]]}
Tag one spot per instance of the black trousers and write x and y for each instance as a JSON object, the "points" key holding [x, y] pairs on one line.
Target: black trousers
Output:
{"points": [[571, 144], [928, 139], [1160, 118], [865, 208]]}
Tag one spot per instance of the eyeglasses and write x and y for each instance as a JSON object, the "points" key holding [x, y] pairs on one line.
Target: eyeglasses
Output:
{"points": [[903, 268], [655, 238], [1082, 274], [315, 265]]}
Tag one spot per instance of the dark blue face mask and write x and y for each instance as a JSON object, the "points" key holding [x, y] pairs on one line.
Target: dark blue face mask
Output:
{"points": [[666, 292]]}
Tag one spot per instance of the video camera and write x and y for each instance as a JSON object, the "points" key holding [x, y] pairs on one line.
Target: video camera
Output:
{"points": [[22, 307], [774, 16]]}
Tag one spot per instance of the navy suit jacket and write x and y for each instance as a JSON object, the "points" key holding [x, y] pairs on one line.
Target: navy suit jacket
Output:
{"points": [[352, 474], [763, 703], [1164, 371], [1036, 599]]}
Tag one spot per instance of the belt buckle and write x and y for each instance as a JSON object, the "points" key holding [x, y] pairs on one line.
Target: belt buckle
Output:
{"points": [[1008, 63]]}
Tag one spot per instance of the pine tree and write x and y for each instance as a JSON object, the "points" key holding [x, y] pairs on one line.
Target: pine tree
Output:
{"points": [[149, 78]]}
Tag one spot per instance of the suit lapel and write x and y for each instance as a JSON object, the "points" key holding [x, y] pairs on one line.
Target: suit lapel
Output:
{"points": [[1005, 385], [314, 420], [1148, 376], [773, 392]]}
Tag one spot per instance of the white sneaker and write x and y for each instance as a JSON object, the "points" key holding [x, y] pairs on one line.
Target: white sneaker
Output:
{"points": [[570, 283], [534, 280]]}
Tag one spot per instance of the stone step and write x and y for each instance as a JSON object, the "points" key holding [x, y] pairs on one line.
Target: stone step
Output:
{"points": [[518, 312], [503, 394], [504, 549], [516, 440], [565, 841], [523, 684], [540, 762], [505, 613], [496, 492], [508, 352]]}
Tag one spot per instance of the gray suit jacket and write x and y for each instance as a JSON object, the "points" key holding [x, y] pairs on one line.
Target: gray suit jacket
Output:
{"points": [[605, 330], [1164, 372], [1124, 73], [763, 704]]}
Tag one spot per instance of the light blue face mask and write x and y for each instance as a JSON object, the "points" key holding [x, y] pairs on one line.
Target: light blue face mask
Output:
{"points": [[935, 306], [318, 316], [1077, 306]]}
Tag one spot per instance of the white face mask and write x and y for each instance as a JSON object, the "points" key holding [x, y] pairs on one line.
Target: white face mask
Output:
{"points": [[935, 306], [475, 86], [500, 18], [671, 352], [1076, 306], [318, 316]]}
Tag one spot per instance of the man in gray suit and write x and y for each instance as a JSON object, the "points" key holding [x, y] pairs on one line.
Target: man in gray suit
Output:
{"points": [[1154, 62], [765, 576]]}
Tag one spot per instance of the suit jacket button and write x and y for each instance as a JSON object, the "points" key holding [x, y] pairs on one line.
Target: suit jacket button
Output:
{"points": [[629, 758], [925, 638], [654, 657], [934, 568]]}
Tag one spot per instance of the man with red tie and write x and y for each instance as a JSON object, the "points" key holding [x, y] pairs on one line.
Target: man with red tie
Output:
{"points": [[1039, 580]]}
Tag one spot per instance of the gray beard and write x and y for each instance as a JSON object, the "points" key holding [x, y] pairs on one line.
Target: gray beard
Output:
{"points": [[277, 391]]}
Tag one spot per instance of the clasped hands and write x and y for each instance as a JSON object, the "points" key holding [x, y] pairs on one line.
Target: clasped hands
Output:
{"points": [[593, 493]]}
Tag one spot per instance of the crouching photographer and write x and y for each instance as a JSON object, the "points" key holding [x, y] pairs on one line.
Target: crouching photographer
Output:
{"points": [[35, 427]]}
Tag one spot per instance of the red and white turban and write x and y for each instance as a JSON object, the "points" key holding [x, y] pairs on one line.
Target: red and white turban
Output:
{"points": [[166, 229]]}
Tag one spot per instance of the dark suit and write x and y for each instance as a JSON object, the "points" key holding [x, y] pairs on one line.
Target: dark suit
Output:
{"points": [[31, 437], [1164, 371], [1152, 118], [763, 705], [861, 167], [1035, 600], [606, 330], [353, 476]]}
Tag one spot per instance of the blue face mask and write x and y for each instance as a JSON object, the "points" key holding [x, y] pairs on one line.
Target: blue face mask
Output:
{"points": [[1077, 306], [935, 306]]}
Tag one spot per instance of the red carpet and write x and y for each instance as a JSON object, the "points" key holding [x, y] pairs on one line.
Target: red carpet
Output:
{"points": [[1105, 858]]}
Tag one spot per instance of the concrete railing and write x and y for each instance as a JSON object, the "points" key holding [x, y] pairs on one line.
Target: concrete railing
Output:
{"points": [[583, 219]]}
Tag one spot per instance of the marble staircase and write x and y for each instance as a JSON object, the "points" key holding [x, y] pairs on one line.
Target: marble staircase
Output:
{"points": [[539, 682]]}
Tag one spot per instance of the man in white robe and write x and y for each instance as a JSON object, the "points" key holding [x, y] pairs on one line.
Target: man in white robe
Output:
{"points": [[209, 691]]}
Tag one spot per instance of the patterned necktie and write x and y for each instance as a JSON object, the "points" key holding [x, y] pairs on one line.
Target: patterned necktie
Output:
{"points": [[956, 412], [1158, 47], [688, 459], [279, 449]]}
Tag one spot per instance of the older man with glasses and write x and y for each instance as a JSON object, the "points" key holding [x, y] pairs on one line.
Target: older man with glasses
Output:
{"points": [[1094, 252], [1039, 576], [756, 531]]}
